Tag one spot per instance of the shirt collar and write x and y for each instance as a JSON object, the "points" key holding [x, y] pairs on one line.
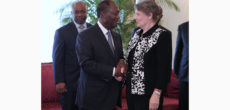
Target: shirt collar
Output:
{"points": [[150, 31], [104, 30], [77, 25]]}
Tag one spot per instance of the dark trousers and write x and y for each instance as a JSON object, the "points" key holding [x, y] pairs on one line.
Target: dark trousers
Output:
{"points": [[136, 102], [183, 95], [68, 100]]}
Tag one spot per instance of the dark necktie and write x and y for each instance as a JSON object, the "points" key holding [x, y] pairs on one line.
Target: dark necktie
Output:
{"points": [[110, 41]]}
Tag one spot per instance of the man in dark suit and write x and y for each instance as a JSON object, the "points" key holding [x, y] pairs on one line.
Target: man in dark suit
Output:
{"points": [[99, 51], [181, 64], [65, 65]]}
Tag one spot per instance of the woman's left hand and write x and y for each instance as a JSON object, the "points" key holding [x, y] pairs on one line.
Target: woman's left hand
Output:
{"points": [[154, 102]]}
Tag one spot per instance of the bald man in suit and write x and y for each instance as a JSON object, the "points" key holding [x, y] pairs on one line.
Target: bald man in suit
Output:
{"points": [[65, 65]]}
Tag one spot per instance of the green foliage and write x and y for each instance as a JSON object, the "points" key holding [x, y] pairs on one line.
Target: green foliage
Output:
{"points": [[126, 23], [169, 3]]}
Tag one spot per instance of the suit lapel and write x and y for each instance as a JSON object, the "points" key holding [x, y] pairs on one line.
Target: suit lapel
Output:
{"points": [[74, 29], [88, 25], [103, 40]]}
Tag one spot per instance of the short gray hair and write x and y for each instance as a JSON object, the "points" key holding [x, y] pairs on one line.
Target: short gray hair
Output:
{"points": [[150, 6]]}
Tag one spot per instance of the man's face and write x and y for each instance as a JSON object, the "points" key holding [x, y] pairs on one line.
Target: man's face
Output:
{"points": [[111, 16], [79, 12]]}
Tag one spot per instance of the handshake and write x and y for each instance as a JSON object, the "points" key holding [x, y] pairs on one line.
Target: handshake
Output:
{"points": [[120, 71]]}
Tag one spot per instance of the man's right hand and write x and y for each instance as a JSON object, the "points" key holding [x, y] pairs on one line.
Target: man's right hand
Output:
{"points": [[121, 69], [61, 87], [119, 78], [118, 71]]}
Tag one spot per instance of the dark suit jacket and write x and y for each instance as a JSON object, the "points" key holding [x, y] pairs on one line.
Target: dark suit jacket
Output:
{"points": [[65, 65], [181, 62], [157, 62], [97, 88]]}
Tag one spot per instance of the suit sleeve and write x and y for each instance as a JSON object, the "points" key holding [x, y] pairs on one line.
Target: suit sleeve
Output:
{"points": [[87, 60], [178, 52], [58, 57], [164, 60]]}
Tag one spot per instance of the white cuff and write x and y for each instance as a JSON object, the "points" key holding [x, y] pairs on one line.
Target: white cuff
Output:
{"points": [[113, 71]]}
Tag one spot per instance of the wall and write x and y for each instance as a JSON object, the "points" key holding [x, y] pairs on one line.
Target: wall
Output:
{"points": [[171, 19]]}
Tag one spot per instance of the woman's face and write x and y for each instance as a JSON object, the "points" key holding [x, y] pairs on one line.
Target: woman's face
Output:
{"points": [[142, 19]]}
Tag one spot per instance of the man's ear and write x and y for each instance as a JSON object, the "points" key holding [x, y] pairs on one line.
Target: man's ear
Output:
{"points": [[102, 14]]}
